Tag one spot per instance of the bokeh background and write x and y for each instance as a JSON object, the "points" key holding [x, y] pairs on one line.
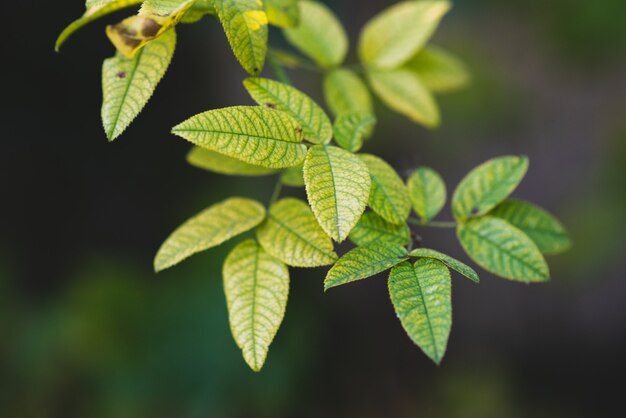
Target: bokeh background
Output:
{"points": [[87, 330]]}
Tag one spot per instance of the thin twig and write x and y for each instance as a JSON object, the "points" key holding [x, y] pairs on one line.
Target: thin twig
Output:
{"points": [[432, 224]]}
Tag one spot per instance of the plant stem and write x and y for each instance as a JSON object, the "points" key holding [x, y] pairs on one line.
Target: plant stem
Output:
{"points": [[432, 224], [276, 193], [279, 70]]}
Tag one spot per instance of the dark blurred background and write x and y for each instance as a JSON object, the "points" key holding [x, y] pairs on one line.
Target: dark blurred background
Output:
{"points": [[87, 330]]}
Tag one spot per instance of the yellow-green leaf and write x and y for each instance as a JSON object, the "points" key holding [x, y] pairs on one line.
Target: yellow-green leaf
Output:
{"points": [[199, 9], [371, 228], [396, 34], [363, 262], [540, 226], [427, 191], [283, 13], [293, 176], [208, 229], [291, 234], [421, 297], [345, 92], [452, 263], [245, 24], [256, 135], [487, 185], [95, 10], [389, 196], [351, 129], [280, 96], [402, 90], [257, 287], [133, 33], [319, 35], [222, 164], [338, 186], [500, 248], [128, 84], [439, 70]]}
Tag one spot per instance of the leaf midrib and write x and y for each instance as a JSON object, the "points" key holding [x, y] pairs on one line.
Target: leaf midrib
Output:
{"points": [[389, 199], [510, 254], [493, 191], [430, 327], [181, 130], [307, 242], [126, 91]]}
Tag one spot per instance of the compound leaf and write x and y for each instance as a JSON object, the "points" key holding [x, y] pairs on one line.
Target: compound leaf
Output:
{"points": [[388, 196], [128, 84], [363, 262], [352, 128], [345, 92], [338, 186], [452, 263], [208, 229], [402, 91], [95, 10], [291, 234], [487, 185], [421, 297], [276, 95], [502, 249], [427, 192], [371, 228], [283, 13], [245, 25], [222, 164], [257, 287], [396, 34], [540, 226], [439, 70], [256, 135], [320, 36]]}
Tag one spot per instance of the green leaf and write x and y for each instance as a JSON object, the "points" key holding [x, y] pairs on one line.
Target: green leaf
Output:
{"points": [[293, 176], [276, 95], [352, 128], [257, 287], [389, 196], [373, 229], [283, 13], [439, 70], [540, 226], [95, 10], [222, 164], [198, 9], [319, 35], [338, 186], [291, 234], [345, 92], [452, 263], [421, 297], [502, 249], [133, 33], [363, 262], [245, 25], [128, 84], [256, 135], [487, 185], [402, 90], [427, 192], [208, 229], [396, 34]]}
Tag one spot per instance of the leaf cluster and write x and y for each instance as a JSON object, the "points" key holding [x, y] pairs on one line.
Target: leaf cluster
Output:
{"points": [[348, 195]]}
